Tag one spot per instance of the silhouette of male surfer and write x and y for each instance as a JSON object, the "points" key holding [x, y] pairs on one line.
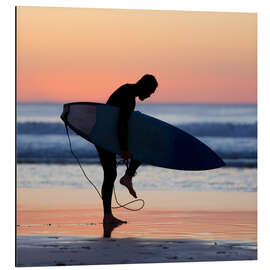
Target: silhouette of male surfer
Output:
{"points": [[124, 98]]}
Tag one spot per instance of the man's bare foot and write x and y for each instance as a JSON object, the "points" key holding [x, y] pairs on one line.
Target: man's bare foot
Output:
{"points": [[110, 219], [126, 181]]}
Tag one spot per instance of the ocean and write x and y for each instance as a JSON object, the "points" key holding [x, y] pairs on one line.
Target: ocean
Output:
{"points": [[44, 158]]}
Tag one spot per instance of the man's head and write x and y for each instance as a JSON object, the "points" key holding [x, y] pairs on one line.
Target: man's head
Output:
{"points": [[147, 86]]}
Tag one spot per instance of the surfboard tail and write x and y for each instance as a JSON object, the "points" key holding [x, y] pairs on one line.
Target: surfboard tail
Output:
{"points": [[65, 113]]}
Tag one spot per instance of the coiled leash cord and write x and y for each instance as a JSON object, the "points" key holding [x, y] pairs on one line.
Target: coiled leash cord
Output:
{"points": [[114, 207]]}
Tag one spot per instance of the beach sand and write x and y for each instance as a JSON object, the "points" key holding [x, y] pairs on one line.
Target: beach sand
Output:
{"points": [[64, 227]]}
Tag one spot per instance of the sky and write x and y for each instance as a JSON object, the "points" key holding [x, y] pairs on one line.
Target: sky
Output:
{"points": [[83, 54]]}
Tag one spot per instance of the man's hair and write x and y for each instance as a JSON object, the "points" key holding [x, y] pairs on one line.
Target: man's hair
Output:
{"points": [[148, 81]]}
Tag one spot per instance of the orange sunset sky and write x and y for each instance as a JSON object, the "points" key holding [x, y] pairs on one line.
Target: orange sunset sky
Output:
{"points": [[82, 54]]}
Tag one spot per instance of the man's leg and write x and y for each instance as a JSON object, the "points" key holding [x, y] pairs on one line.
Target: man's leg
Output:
{"points": [[133, 166], [126, 180], [108, 162]]}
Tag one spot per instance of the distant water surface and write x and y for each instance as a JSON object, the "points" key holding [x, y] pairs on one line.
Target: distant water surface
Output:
{"points": [[230, 130]]}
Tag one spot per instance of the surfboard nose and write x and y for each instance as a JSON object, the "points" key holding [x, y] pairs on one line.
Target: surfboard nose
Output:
{"points": [[222, 163], [216, 161], [219, 162], [191, 154]]}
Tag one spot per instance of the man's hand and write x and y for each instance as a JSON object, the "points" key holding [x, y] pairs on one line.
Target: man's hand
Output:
{"points": [[126, 155]]}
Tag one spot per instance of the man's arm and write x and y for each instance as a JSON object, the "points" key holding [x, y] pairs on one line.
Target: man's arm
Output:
{"points": [[123, 137], [124, 115]]}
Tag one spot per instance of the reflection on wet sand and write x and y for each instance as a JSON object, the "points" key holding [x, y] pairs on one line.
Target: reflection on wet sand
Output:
{"points": [[109, 227], [234, 225]]}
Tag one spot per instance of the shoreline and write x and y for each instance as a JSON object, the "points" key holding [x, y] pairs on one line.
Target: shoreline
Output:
{"points": [[241, 163], [72, 198]]}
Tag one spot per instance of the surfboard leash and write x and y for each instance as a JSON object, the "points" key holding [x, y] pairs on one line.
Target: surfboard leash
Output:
{"points": [[87, 178]]}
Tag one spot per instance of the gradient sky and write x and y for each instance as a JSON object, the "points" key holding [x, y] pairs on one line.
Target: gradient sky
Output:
{"points": [[81, 54]]}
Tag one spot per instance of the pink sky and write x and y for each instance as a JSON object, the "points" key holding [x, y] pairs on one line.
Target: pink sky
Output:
{"points": [[75, 54]]}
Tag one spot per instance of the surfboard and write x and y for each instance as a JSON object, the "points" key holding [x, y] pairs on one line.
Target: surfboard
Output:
{"points": [[150, 140]]}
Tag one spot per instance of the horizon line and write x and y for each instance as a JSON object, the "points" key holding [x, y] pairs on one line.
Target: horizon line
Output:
{"points": [[143, 103]]}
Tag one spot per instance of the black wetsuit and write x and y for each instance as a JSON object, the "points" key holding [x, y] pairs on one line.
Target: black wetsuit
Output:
{"points": [[125, 99]]}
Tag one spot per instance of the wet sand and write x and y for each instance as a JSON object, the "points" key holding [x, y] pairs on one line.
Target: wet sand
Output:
{"points": [[64, 227], [58, 250], [149, 223]]}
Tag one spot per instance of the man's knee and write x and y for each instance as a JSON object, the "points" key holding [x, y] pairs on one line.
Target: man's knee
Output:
{"points": [[110, 174]]}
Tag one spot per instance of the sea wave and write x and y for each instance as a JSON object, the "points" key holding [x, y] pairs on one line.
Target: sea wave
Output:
{"points": [[55, 149], [236, 130]]}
